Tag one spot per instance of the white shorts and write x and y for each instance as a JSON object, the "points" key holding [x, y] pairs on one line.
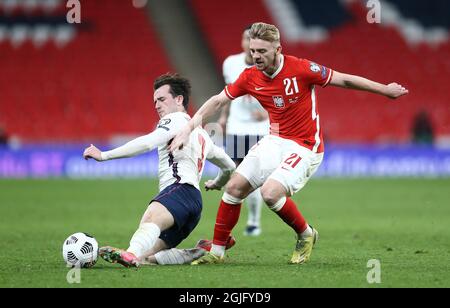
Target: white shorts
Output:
{"points": [[282, 160]]}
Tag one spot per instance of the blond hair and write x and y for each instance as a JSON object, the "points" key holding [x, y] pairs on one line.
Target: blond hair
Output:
{"points": [[265, 32]]}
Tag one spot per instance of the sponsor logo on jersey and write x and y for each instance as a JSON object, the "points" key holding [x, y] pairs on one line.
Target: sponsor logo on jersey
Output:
{"points": [[163, 124], [278, 101], [315, 67], [293, 100]]}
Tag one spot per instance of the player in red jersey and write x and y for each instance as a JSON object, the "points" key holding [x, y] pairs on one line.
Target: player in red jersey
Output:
{"points": [[283, 162]]}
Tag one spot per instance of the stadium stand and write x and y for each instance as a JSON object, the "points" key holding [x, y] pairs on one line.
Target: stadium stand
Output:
{"points": [[346, 42], [419, 10], [77, 82], [91, 81]]}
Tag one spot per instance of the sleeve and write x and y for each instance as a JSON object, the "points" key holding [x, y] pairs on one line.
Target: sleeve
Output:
{"points": [[239, 87], [218, 157], [316, 74], [166, 129]]}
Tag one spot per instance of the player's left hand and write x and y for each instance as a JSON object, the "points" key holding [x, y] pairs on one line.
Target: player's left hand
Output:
{"points": [[92, 152], [211, 185], [394, 90]]}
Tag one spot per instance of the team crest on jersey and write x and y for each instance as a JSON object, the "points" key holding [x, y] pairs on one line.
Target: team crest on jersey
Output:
{"points": [[315, 67], [278, 101]]}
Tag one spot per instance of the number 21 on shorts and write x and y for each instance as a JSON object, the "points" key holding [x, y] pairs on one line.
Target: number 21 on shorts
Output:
{"points": [[293, 160]]}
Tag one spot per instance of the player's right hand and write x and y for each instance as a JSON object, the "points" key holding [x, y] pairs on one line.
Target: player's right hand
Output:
{"points": [[92, 152], [180, 140], [394, 90]]}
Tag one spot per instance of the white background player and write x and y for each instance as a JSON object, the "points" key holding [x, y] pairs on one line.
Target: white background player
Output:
{"points": [[175, 211], [245, 122]]}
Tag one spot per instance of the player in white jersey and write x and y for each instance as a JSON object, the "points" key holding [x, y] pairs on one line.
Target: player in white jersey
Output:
{"points": [[245, 122], [175, 211]]}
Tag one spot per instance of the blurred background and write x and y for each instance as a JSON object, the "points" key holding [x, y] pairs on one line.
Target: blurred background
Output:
{"points": [[64, 86]]}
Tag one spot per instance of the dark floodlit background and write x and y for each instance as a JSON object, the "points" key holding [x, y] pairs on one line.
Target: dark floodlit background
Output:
{"points": [[64, 86]]}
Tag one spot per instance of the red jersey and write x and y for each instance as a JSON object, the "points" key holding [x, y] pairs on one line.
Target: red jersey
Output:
{"points": [[289, 97]]}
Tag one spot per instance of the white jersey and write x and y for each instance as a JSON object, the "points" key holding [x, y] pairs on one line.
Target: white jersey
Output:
{"points": [[186, 165], [241, 120]]}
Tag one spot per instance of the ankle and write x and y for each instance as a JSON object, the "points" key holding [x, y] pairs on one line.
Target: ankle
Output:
{"points": [[305, 234]]}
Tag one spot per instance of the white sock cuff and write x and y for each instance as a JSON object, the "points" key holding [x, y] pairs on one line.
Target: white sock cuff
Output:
{"points": [[279, 205], [218, 250], [149, 226], [227, 198], [144, 238]]}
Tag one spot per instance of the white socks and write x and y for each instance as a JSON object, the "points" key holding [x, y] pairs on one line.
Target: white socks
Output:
{"points": [[176, 256], [143, 239], [307, 233], [217, 250], [254, 203]]}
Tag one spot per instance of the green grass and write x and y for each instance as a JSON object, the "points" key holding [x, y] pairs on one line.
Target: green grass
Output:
{"points": [[403, 223]]}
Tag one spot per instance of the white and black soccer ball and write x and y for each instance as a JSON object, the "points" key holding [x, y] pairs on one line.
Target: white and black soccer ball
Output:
{"points": [[80, 250]]}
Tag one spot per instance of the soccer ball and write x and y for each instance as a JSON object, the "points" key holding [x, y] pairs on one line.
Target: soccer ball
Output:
{"points": [[80, 250]]}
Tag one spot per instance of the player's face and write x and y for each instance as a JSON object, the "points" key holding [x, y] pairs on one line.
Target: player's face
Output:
{"points": [[263, 53], [165, 103]]}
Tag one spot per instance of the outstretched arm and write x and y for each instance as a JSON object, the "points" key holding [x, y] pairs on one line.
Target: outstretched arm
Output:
{"points": [[135, 147], [224, 114], [392, 90], [202, 116]]}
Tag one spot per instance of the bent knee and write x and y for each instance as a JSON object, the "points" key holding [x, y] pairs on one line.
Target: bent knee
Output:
{"points": [[272, 195], [236, 190], [269, 197]]}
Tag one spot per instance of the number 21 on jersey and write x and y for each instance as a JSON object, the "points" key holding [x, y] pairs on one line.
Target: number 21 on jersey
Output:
{"points": [[291, 86]]}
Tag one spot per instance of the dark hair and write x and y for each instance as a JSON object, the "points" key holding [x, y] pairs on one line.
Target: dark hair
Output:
{"points": [[178, 86]]}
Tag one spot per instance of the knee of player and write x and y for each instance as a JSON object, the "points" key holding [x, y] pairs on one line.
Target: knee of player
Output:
{"points": [[235, 190], [147, 215], [159, 215], [270, 195]]}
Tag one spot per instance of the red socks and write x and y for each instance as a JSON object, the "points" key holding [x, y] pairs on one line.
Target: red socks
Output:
{"points": [[292, 216], [227, 218]]}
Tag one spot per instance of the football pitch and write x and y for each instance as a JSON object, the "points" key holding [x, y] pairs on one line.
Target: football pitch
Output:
{"points": [[402, 223]]}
